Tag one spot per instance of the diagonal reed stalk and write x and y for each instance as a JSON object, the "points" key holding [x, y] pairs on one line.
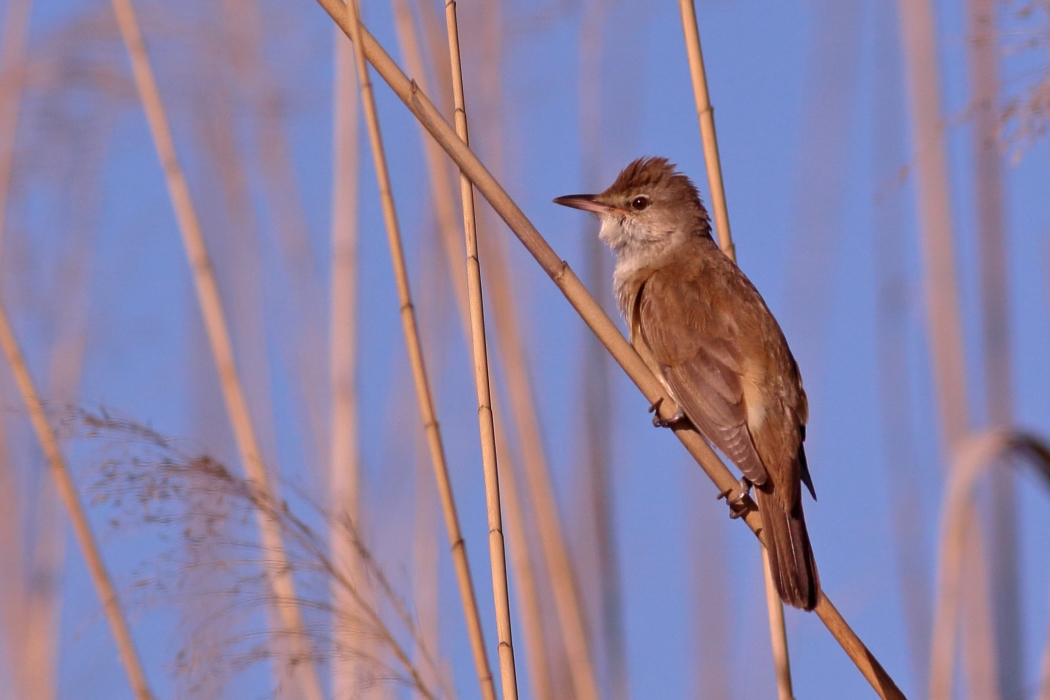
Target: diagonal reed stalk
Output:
{"points": [[706, 114], [975, 456], [592, 314], [304, 673], [544, 509], [349, 21], [497, 552], [67, 491]]}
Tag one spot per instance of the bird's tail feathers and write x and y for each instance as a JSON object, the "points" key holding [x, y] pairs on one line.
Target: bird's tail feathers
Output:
{"points": [[790, 554]]}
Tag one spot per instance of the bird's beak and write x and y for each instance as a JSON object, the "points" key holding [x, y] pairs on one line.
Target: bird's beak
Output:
{"points": [[586, 202]]}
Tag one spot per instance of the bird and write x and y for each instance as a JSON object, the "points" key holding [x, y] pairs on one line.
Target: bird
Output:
{"points": [[704, 330]]}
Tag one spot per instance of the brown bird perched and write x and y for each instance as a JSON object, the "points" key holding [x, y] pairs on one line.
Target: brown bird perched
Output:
{"points": [[705, 332]]}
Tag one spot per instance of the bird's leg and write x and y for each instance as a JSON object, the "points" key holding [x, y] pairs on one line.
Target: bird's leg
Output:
{"points": [[736, 501], [672, 422]]}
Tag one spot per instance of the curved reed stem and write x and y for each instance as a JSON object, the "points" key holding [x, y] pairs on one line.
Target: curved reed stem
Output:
{"points": [[593, 315], [975, 456], [352, 26]]}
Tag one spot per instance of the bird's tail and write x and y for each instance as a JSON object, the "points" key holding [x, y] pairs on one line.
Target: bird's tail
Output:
{"points": [[790, 555]]}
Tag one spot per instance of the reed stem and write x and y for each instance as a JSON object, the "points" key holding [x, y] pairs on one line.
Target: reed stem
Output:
{"points": [[497, 552], [592, 314], [283, 586], [706, 114], [67, 491], [349, 20]]}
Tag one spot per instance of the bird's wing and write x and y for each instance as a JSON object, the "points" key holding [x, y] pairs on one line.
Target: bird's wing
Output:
{"points": [[701, 365]]}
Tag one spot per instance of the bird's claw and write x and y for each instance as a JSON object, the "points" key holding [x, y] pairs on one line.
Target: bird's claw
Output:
{"points": [[737, 501], [671, 422]]}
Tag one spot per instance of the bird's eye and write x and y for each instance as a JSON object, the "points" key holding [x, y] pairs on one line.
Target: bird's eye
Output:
{"points": [[639, 203]]}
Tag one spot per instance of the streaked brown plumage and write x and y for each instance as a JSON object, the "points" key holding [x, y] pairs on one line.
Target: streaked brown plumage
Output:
{"points": [[705, 332]]}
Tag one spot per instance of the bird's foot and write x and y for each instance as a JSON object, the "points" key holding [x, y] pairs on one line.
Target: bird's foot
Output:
{"points": [[736, 499], [674, 421]]}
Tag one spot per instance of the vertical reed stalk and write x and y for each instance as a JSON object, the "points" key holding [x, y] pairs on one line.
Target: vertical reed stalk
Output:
{"points": [[1044, 671], [284, 205], [706, 114], [777, 633], [598, 408], [919, 32], [893, 313], [12, 69], [352, 27], [521, 561], [67, 490], [983, 55], [344, 470], [497, 553], [591, 313], [441, 184], [304, 673], [712, 612]]}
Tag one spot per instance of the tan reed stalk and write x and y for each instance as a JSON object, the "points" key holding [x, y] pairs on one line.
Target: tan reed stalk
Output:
{"points": [[425, 555], [777, 633], [975, 457], [67, 490], [524, 573], [897, 423], [12, 68], [497, 552], [562, 574], [922, 74], [919, 39], [284, 205], [13, 576], [351, 25], [304, 671], [593, 315], [239, 253], [511, 355], [344, 470], [817, 224], [599, 527], [440, 175], [983, 54], [1044, 672], [712, 614], [42, 594], [706, 114]]}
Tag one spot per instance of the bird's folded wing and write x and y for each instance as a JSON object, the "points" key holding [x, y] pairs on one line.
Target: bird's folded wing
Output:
{"points": [[703, 372]]}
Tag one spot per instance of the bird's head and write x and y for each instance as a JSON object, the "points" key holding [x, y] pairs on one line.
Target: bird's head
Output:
{"points": [[650, 203]]}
